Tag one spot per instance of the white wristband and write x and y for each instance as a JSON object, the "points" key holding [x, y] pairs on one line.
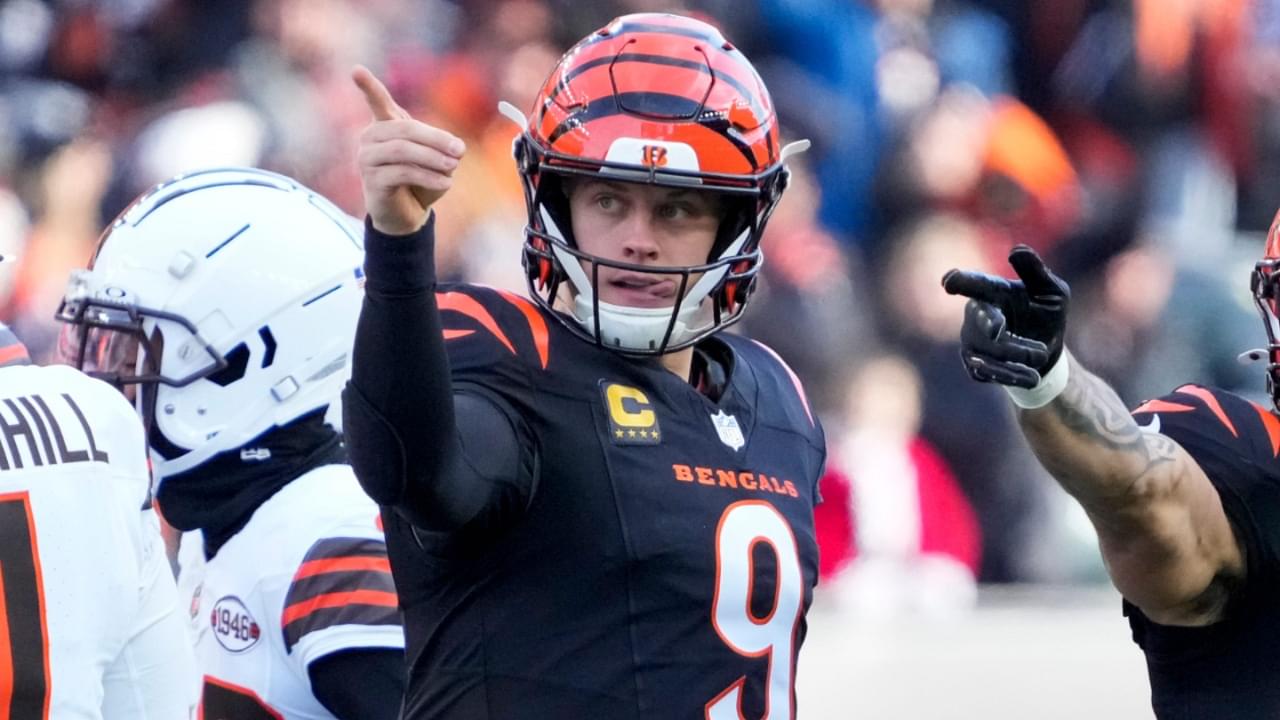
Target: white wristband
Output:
{"points": [[1051, 385]]}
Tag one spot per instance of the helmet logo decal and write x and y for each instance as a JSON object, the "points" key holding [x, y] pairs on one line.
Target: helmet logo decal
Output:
{"points": [[654, 156], [650, 155]]}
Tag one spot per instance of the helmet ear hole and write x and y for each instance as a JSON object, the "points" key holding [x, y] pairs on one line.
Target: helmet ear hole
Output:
{"points": [[735, 290], [237, 363], [537, 262]]}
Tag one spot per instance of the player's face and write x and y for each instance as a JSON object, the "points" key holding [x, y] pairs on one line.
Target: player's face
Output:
{"points": [[643, 225], [109, 354]]}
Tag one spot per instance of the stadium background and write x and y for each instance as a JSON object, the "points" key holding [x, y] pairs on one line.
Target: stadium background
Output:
{"points": [[1135, 142]]}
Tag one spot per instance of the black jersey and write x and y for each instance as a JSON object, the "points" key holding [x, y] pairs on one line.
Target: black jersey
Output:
{"points": [[655, 560], [1228, 669]]}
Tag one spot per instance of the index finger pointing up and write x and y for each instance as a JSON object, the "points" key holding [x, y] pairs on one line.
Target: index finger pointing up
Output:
{"points": [[376, 95], [1033, 272]]}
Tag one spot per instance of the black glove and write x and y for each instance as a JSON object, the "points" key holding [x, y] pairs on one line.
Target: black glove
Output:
{"points": [[1013, 329]]}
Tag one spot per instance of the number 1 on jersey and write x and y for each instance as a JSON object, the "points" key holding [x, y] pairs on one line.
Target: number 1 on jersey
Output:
{"points": [[24, 633], [772, 637]]}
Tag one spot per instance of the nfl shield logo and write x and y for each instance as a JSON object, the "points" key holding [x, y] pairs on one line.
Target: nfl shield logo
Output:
{"points": [[727, 427]]}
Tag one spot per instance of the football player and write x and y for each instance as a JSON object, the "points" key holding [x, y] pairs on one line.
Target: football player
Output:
{"points": [[598, 504], [1184, 492], [224, 303], [90, 624]]}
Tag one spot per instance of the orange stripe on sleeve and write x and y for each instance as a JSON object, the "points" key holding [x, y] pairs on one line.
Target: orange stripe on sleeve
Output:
{"points": [[1161, 406], [1272, 424], [468, 306], [320, 602], [455, 334], [6, 657], [537, 324], [13, 352], [317, 567], [1213, 404]]}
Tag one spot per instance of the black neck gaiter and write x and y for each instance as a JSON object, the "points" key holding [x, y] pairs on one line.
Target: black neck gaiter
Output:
{"points": [[220, 495]]}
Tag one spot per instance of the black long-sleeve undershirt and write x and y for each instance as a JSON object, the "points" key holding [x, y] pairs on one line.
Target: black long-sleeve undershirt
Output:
{"points": [[360, 683], [443, 457]]}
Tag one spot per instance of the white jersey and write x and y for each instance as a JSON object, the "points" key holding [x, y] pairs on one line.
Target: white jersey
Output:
{"points": [[307, 576], [89, 622]]}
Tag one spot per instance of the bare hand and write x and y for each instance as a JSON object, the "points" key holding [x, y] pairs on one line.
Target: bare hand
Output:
{"points": [[405, 165]]}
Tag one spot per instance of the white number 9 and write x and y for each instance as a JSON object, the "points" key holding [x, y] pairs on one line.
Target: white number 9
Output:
{"points": [[742, 526]]}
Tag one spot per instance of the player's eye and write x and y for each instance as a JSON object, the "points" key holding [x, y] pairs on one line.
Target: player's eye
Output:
{"points": [[681, 210]]}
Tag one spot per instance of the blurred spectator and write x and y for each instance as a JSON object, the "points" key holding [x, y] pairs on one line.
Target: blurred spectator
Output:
{"points": [[66, 198], [996, 470], [825, 85], [1148, 326], [916, 540], [993, 160], [816, 308]]}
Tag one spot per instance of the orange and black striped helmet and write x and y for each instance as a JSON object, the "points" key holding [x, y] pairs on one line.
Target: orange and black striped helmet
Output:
{"points": [[665, 100], [1266, 296]]}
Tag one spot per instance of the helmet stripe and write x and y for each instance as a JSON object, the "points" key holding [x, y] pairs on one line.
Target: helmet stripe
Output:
{"points": [[716, 74], [679, 106], [628, 28]]}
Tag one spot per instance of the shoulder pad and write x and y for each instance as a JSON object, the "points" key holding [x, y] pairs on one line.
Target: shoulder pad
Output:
{"points": [[484, 326], [1198, 416], [776, 378]]}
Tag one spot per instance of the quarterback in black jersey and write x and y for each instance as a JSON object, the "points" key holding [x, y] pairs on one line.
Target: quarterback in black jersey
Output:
{"points": [[596, 505], [1184, 492]]}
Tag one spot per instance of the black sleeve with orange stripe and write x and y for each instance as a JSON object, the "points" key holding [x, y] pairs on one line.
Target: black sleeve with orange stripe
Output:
{"points": [[1237, 444], [443, 459]]}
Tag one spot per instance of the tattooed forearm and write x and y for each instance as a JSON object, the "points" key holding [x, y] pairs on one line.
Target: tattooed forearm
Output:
{"points": [[1092, 410], [1165, 546], [1087, 439]]}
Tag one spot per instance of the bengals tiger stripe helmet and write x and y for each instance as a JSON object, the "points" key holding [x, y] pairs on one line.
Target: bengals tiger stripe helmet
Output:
{"points": [[665, 100], [1266, 295]]}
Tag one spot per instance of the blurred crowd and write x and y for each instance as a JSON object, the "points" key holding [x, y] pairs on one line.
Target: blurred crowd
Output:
{"points": [[1136, 143]]}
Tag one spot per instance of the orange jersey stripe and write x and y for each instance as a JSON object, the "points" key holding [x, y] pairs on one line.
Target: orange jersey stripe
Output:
{"points": [[1213, 404], [6, 657], [1272, 424], [468, 306], [42, 605], [44, 610], [1161, 406], [537, 325], [455, 334], [11, 353], [320, 602], [332, 565]]}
